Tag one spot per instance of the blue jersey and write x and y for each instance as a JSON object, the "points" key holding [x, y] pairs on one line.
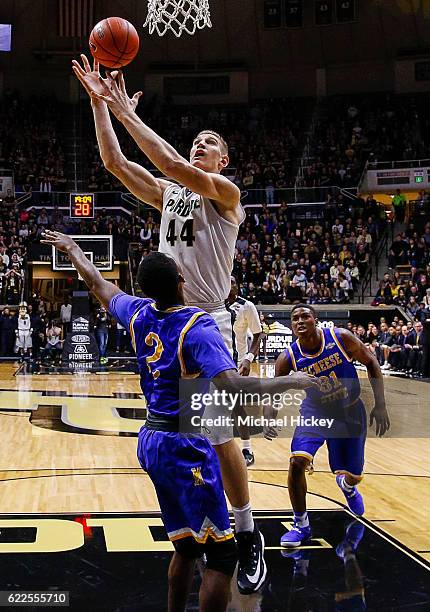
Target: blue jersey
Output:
{"points": [[339, 384], [181, 342]]}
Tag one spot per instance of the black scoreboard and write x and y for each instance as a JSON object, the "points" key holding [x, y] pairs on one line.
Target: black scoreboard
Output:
{"points": [[82, 205]]}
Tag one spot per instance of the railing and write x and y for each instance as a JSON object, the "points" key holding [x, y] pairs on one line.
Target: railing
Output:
{"points": [[366, 284], [130, 267], [398, 165], [133, 249], [61, 199], [128, 203], [309, 137], [383, 246], [126, 200], [290, 195], [363, 176]]}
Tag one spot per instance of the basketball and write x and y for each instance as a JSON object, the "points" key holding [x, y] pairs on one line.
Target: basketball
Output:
{"points": [[114, 42]]}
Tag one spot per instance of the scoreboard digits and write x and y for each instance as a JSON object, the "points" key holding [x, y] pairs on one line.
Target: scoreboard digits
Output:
{"points": [[82, 205]]}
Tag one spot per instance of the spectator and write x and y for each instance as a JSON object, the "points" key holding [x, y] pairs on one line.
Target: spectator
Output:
{"points": [[399, 204], [8, 325], [293, 294], [65, 315], [54, 341], [415, 346], [102, 326]]}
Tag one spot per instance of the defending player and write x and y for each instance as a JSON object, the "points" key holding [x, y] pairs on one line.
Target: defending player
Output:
{"points": [[245, 320], [173, 341], [200, 218], [328, 355]]}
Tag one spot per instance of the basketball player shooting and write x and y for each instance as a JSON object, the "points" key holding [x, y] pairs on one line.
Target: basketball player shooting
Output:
{"points": [[200, 218]]}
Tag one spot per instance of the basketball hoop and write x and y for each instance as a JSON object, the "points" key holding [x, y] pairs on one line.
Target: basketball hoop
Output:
{"points": [[178, 16]]}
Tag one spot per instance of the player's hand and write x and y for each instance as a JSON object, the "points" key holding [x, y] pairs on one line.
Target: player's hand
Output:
{"points": [[380, 415], [245, 367], [301, 380], [270, 432], [60, 241], [117, 97], [90, 78]]}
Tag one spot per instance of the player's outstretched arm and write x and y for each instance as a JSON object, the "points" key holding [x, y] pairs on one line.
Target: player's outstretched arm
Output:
{"points": [[134, 177], [101, 288], [231, 381], [358, 351], [235, 384], [161, 153]]}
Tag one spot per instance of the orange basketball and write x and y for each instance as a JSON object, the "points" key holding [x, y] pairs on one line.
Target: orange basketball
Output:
{"points": [[114, 42]]}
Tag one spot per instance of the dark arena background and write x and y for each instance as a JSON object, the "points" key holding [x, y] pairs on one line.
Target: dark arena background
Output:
{"points": [[324, 105]]}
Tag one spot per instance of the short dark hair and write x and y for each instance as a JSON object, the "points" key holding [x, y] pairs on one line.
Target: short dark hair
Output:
{"points": [[311, 308], [158, 277]]}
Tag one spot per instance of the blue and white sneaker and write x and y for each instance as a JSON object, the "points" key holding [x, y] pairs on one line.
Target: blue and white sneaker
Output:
{"points": [[296, 536], [354, 499], [353, 535]]}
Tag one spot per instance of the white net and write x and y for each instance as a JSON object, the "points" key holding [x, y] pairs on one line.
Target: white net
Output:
{"points": [[177, 16]]}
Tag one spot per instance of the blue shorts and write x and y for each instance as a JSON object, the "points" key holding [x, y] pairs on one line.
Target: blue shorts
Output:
{"points": [[345, 454], [187, 479]]}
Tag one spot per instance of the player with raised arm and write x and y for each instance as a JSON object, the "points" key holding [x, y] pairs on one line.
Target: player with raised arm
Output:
{"points": [[174, 341], [200, 218], [246, 321], [328, 354]]}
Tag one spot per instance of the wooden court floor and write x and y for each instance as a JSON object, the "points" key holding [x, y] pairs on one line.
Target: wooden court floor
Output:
{"points": [[75, 470]]}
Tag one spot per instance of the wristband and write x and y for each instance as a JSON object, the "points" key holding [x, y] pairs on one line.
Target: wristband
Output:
{"points": [[250, 357]]}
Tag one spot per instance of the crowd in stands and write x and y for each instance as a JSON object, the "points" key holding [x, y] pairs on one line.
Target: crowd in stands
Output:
{"points": [[374, 128], [49, 329], [13, 250], [398, 344], [280, 257], [32, 141], [407, 283], [263, 140], [281, 260]]}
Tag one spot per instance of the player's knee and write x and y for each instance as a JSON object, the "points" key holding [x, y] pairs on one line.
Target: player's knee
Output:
{"points": [[221, 556], [188, 548], [298, 465]]}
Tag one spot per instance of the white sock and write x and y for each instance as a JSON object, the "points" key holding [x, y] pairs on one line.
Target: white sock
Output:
{"points": [[243, 518], [345, 486], [302, 520], [246, 444]]}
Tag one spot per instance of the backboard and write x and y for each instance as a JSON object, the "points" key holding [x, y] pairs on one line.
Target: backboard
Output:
{"points": [[98, 249]]}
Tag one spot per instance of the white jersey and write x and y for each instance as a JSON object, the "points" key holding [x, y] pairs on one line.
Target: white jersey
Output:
{"points": [[246, 320], [201, 242], [24, 324]]}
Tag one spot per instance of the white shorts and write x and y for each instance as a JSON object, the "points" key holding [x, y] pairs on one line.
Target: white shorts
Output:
{"points": [[223, 319], [220, 434], [23, 340]]}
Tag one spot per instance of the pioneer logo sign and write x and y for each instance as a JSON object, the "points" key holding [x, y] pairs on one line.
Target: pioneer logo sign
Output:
{"points": [[81, 339], [80, 350]]}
